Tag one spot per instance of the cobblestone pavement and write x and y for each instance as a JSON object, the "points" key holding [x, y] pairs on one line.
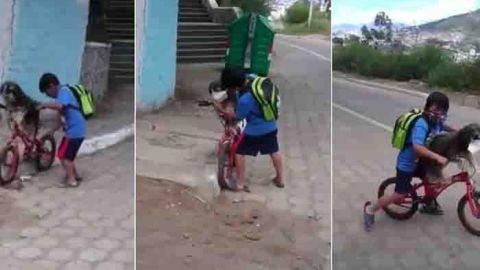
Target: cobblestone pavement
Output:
{"points": [[90, 227], [362, 158]]}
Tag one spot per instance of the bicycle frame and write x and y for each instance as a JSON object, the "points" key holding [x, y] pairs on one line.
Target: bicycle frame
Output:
{"points": [[29, 143], [433, 190]]}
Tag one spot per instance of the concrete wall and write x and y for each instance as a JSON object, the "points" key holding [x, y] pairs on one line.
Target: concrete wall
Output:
{"points": [[49, 36], [95, 68], [156, 76], [6, 29]]}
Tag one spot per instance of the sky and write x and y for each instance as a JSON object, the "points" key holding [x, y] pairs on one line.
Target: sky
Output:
{"points": [[400, 11]]}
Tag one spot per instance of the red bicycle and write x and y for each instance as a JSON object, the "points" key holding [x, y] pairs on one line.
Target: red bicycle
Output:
{"points": [[227, 145], [468, 208], [41, 150]]}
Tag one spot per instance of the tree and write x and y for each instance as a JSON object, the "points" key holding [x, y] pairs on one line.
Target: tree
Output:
{"points": [[262, 7], [366, 33], [297, 13], [384, 23]]}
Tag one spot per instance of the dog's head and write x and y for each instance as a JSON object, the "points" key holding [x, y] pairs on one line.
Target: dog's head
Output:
{"points": [[15, 96], [467, 135]]}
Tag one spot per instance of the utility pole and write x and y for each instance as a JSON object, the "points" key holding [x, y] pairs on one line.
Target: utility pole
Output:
{"points": [[310, 14]]}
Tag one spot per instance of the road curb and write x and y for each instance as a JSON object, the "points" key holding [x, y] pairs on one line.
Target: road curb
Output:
{"points": [[100, 142], [388, 87]]}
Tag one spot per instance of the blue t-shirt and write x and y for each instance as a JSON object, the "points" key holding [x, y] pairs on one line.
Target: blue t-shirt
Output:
{"points": [[75, 122], [248, 108], [407, 159]]}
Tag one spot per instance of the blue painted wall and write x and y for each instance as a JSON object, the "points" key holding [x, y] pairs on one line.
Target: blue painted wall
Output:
{"points": [[48, 36], [157, 66]]}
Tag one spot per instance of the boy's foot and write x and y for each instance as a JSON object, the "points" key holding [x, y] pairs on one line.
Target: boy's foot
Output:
{"points": [[69, 184], [242, 188], [432, 208], [277, 183], [368, 217]]}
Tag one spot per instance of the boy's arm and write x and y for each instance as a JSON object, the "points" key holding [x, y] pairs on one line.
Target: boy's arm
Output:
{"points": [[422, 151], [57, 124], [419, 136], [244, 107], [51, 105], [449, 128]]}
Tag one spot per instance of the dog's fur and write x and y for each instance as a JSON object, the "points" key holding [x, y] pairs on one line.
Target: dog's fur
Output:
{"points": [[453, 146], [16, 101]]}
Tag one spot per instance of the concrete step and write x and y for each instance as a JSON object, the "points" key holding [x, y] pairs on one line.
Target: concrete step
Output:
{"points": [[122, 57], [202, 32], [121, 35], [123, 50], [193, 14], [122, 71], [192, 9], [201, 26], [200, 59], [115, 79], [122, 64], [194, 19], [201, 45], [110, 20], [205, 38], [202, 51]]}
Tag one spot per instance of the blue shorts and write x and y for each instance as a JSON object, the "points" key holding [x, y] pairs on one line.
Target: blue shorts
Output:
{"points": [[265, 144], [404, 179], [68, 148]]}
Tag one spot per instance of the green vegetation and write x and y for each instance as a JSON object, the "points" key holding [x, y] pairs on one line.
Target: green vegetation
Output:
{"points": [[296, 20], [429, 63]]}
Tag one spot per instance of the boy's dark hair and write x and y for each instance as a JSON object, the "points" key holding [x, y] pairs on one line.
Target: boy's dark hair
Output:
{"points": [[232, 77], [46, 79], [439, 99]]}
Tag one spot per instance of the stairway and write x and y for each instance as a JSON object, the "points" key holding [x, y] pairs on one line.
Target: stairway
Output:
{"points": [[120, 19], [199, 40]]}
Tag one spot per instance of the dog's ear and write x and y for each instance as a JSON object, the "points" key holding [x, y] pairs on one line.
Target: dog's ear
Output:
{"points": [[465, 137]]}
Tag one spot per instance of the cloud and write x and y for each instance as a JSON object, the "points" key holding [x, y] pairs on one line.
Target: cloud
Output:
{"points": [[421, 13]]}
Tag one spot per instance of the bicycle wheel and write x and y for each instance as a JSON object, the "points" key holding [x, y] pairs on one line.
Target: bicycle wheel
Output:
{"points": [[402, 210], [9, 165], [472, 223], [225, 181], [45, 155]]}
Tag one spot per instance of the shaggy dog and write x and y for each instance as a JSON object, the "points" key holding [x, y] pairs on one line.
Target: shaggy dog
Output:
{"points": [[453, 146], [20, 107]]}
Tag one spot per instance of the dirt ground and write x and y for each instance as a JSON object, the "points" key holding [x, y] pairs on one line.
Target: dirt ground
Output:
{"points": [[175, 230]]}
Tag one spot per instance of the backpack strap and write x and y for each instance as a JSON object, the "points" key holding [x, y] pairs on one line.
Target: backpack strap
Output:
{"points": [[73, 90]]}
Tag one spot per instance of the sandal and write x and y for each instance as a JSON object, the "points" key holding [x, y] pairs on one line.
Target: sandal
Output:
{"points": [[68, 185], [278, 183], [368, 219], [244, 189]]}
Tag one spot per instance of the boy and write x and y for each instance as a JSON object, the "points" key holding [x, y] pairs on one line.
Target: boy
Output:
{"points": [[75, 130], [259, 135], [434, 114]]}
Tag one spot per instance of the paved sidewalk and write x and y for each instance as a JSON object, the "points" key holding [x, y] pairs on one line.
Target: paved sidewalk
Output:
{"points": [[91, 227]]}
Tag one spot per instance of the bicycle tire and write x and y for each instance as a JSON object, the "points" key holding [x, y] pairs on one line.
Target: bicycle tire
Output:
{"points": [[392, 213], [222, 163], [461, 213], [40, 151], [13, 167]]}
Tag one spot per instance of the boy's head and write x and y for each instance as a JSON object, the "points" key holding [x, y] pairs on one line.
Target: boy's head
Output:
{"points": [[233, 78], [49, 84], [436, 107]]}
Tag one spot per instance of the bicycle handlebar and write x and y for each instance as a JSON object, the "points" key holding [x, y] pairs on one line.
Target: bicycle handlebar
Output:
{"points": [[205, 103]]}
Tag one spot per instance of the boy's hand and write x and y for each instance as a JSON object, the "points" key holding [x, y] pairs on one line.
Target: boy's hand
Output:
{"points": [[441, 160]]}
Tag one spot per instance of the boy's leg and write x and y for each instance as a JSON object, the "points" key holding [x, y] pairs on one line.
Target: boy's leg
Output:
{"points": [[269, 146], [278, 165], [402, 188], [248, 146], [67, 153], [240, 170]]}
